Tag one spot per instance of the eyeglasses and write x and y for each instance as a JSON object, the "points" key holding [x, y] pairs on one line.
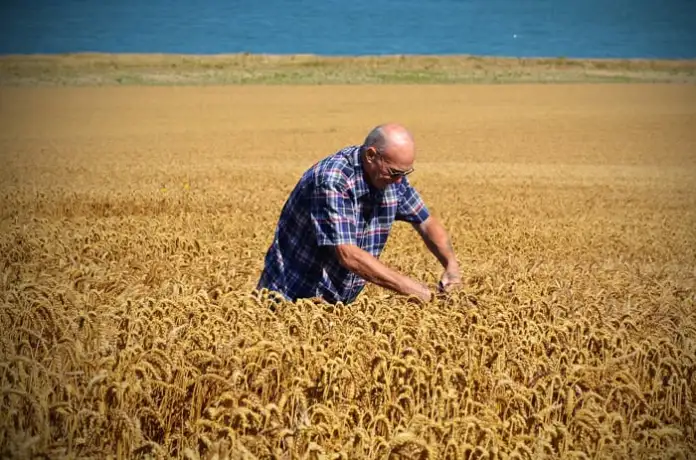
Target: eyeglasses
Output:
{"points": [[395, 173]]}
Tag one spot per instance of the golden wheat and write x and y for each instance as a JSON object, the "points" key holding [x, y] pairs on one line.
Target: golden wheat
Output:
{"points": [[129, 252]]}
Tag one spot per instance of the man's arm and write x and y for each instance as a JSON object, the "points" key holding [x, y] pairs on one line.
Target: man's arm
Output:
{"points": [[412, 209], [371, 269], [333, 218], [438, 242]]}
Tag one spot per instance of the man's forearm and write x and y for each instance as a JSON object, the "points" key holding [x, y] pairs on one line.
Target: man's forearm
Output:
{"points": [[438, 242], [372, 270]]}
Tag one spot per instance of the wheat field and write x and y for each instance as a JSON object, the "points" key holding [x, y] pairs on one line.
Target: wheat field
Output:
{"points": [[134, 224]]}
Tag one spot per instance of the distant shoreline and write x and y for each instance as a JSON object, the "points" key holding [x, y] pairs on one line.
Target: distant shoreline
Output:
{"points": [[103, 69]]}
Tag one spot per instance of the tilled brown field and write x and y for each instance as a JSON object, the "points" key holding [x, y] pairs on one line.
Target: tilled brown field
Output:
{"points": [[134, 224]]}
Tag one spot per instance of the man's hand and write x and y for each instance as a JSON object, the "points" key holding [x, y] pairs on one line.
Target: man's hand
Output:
{"points": [[425, 293], [450, 280]]}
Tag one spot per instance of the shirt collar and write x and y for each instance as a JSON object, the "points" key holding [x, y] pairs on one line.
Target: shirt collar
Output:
{"points": [[362, 188]]}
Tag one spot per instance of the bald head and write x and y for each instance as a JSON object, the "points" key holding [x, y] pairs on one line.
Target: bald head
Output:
{"points": [[388, 154], [394, 142]]}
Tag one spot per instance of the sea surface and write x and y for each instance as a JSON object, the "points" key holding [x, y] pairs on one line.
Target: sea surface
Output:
{"points": [[522, 28]]}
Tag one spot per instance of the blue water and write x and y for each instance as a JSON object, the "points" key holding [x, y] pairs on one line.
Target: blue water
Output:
{"points": [[526, 28]]}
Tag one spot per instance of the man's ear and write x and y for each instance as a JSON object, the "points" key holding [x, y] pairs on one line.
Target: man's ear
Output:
{"points": [[370, 154]]}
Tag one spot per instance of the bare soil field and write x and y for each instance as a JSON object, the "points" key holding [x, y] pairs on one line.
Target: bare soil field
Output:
{"points": [[133, 226]]}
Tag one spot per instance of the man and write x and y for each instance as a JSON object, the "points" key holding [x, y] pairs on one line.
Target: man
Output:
{"points": [[336, 221]]}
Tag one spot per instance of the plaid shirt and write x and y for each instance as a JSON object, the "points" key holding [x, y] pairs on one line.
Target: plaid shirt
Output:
{"points": [[333, 204]]}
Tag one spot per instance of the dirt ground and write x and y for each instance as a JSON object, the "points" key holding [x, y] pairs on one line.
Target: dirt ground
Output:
{"points": [[580, 196]]}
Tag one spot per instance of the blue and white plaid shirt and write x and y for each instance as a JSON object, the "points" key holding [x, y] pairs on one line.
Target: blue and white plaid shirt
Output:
{"points": [[333, 204]]}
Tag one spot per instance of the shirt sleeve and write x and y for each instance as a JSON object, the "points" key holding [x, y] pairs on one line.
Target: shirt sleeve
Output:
{"points": [[332, 215], [411, 207]]}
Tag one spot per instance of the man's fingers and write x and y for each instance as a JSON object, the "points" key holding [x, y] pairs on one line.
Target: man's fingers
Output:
{"points": [[448, 286]]}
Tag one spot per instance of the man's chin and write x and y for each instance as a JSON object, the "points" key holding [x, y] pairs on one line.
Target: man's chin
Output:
{"points": [[380, 184], [384, 183]]}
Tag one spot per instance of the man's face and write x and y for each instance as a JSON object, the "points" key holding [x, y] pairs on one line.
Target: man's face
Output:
{"points": [[385, 169]]}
